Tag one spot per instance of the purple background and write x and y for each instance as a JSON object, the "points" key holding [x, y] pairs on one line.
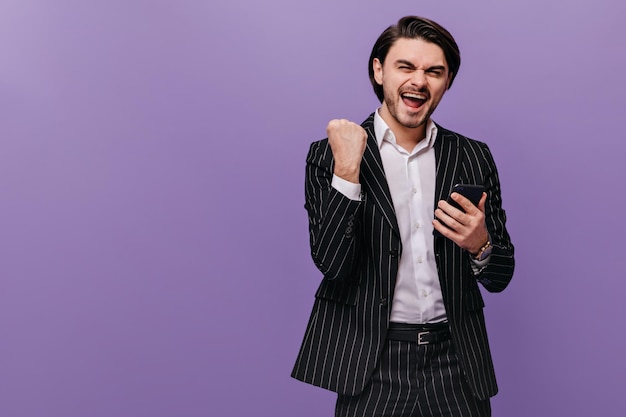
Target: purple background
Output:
{"points": [[154, 248]]}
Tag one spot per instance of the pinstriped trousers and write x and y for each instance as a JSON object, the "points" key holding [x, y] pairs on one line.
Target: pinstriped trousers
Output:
{"points": [[415, 381]]}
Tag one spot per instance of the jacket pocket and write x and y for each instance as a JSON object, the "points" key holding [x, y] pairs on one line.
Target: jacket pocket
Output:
{"points": [[473, 300], [338, 291]]}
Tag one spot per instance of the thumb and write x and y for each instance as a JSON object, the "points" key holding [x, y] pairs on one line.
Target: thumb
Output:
{"points": [[481, 203]]}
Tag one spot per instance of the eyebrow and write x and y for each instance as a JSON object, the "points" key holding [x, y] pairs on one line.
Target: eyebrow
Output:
{"points": [[405, 62], [410, 65]]}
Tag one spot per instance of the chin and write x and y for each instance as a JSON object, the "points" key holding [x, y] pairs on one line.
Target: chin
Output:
{"points": [[413, 122]]}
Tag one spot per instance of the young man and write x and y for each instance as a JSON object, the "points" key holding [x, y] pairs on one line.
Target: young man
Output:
{"points": [[397, 327]]}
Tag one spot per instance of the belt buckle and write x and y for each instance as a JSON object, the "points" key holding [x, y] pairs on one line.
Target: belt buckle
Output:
{"points": [[420, 341]]}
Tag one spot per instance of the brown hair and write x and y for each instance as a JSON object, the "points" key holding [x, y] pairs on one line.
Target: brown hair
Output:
{"points": [[414, 27]]}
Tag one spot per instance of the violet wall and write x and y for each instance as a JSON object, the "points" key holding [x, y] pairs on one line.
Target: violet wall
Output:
{"points": [[153, 241]]}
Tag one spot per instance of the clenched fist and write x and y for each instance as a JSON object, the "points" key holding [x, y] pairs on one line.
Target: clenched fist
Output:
{"points": [[347, 141]]}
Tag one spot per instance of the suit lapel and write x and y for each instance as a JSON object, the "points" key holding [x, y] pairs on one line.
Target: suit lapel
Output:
{"points": [[374, 178], [447, 157]]}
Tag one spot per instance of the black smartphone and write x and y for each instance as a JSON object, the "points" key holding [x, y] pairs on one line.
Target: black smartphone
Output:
{"points": [[470, 191]]}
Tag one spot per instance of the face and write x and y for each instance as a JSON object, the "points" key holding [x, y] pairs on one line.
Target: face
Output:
{"points": [[414, 77]]}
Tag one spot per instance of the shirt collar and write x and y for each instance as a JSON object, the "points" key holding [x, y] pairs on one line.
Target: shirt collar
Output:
{"points": [[383, 132]]}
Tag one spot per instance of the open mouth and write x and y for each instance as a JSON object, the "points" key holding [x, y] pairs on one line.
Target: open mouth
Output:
{"points": [[414, 100]]}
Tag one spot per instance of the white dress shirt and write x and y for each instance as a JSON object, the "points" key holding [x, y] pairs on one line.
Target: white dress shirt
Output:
{"points": [[411, 180]]}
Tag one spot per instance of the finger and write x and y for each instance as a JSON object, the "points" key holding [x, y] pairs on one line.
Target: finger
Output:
{"points": [[449, 209], [335, 125], [465, 203], [482, 202], [446, 219], [438, 226], [446, 231]]}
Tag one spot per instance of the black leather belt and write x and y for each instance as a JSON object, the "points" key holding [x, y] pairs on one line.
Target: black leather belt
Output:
{"points": [[422, 334]]}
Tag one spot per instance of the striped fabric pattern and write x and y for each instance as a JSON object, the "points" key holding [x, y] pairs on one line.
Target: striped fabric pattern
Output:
{"points": [[356, 246], [413, 380]]}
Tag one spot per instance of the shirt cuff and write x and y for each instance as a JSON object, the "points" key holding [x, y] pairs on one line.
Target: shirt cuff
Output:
{"points": [[347, 188], [478, 266]]}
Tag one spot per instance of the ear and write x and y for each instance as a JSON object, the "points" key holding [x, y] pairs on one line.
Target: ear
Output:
{"points": [[378, 71]]}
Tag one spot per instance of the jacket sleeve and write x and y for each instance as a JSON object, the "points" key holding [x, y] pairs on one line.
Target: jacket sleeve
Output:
{"points": [[498, 273], [334, 220]]}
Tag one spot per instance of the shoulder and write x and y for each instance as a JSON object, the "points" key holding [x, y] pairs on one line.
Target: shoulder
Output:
{"points": [[368, 124], [447, 134], [467, 145], [319, 151], [471, 149]]}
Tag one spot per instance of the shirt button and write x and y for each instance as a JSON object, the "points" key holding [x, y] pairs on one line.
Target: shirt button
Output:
{"points": [[414, 191], [417, 225], [420, 259]]}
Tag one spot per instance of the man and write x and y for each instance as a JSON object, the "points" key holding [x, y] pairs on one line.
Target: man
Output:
{"points": [[397, 327]]}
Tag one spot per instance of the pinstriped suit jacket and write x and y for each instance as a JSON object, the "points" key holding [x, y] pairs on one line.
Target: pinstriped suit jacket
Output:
{"points": [[356, 245]]}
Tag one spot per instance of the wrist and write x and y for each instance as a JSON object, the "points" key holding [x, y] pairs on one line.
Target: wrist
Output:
{"points": [[348, 174], [483, 252]]}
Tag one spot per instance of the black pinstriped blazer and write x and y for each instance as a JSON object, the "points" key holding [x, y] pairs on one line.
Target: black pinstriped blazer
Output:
{"points": [[356, 245]]}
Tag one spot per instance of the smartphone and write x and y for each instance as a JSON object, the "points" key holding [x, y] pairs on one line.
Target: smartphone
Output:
{"points": [[470, 191]]}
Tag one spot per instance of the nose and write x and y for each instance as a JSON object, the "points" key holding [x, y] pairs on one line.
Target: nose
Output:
{"points": [[419, 78]]}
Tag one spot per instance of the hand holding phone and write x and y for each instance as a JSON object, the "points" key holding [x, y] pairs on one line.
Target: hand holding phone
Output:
{"points": [[470, 191]]}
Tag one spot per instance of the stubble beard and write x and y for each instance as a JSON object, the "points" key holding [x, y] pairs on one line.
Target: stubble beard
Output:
{"points": [[408, 120]]}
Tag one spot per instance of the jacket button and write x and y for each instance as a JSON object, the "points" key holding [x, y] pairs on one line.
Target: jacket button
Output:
{"points": [[383, 302], [393, 252]]}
